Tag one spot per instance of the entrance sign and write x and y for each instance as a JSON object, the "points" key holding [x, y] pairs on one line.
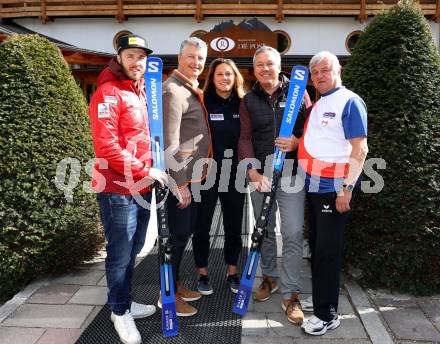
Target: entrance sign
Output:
{"points": [[229, 39]]}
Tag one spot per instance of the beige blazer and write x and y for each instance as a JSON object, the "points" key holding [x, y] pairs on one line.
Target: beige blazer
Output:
{"points": [[186, 130]]}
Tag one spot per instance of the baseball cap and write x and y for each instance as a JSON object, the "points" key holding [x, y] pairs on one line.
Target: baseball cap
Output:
{"points": [[133, 41]]}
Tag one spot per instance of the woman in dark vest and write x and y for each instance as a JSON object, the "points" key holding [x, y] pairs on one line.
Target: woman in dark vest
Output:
{"points": [[223, 91]]}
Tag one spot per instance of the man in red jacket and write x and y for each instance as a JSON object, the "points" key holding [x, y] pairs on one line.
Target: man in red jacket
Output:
{"points": [[122, 176]]}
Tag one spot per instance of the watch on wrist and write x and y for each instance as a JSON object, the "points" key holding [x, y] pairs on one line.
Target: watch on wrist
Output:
{"points": [[348, 187]]}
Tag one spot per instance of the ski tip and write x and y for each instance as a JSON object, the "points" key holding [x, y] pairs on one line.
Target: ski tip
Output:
{"points": [[169, 320], [171, 333], [241, 301]]}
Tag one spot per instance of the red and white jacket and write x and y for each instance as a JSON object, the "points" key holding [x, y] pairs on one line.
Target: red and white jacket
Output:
{"points": [[120, 132]]}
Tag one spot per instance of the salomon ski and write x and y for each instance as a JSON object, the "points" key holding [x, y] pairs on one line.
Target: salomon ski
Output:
{"points": [[298, 83], [153, 86]]}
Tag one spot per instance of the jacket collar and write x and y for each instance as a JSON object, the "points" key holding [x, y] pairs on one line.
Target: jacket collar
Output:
{"points": [[213, 95], [284, 84], [193, 86]]}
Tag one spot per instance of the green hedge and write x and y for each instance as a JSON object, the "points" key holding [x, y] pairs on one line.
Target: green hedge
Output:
{"points": [[394, 236], [43, 119]]}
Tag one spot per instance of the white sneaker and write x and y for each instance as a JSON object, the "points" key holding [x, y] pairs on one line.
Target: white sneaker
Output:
{"points": [[307, 304], [139, 310], [126, 328], [317, 327]]}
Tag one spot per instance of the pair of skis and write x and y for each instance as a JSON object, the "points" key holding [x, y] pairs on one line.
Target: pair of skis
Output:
{"points": [[153, 86], [298, 83]]}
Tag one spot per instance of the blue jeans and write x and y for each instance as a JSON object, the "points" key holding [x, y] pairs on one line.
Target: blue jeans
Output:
{"points": [[125, 226]]}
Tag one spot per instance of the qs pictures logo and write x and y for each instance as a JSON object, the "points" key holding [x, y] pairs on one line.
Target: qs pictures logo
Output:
{"points": [[222, 44]]}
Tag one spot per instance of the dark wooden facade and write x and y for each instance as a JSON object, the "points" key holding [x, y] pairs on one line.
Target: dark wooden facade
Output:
{"points": [[121, 9]]}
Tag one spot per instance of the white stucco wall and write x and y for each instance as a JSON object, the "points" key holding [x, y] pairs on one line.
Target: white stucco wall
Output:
{"points": [[435, 29], [309, 34]]}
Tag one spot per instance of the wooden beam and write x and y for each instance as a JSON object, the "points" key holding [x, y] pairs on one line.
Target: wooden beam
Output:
{"points": [[97, 8], [120, 15], [362, 14], [437, 12], [84, 58], [43, 15], [249, 7], [199, 13], [121, 9], [280, 13]]}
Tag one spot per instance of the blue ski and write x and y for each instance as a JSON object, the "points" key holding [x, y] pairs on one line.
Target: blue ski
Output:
{"points": [[298, 83], [153, 86]]}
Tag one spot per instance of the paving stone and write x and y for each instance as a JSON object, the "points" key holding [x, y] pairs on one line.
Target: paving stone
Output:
{"points": [[93, 266], [369, 315], [81, 277], [19, 335], [385, 298], [102, 282], [99, 257], [305, 283], [273, 305], [265, 340], [254, 324], [90, 295], [57, 335], [410, 324], [344, 306], [251, 306], [54, 294], [49, 316], [431, 307], [10, 306], [279, 326], [322, 340], [258, 272]]}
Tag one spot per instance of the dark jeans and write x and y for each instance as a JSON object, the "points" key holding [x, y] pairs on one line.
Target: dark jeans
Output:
{"points": [[232, 203], [181, 223], [326, 238], [125, 226]]}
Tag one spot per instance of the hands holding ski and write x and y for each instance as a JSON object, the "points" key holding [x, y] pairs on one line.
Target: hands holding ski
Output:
{"points": [[184, 196], [287, 144], [157, 175], [259, 181]]}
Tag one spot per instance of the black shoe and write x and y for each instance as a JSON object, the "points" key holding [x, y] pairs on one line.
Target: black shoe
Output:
{"points": [[233, 282], [203, 285]]}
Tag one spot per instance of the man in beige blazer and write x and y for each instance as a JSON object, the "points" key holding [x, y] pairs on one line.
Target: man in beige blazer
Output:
{"points": [[187, 140]]}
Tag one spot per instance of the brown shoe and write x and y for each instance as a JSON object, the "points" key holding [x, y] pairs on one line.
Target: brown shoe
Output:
{"points": [[183, 309], [186, 294], [293, 309], [267, 287]]}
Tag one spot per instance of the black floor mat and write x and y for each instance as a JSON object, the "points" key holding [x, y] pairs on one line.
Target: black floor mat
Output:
{"points": [[214, 322]]}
